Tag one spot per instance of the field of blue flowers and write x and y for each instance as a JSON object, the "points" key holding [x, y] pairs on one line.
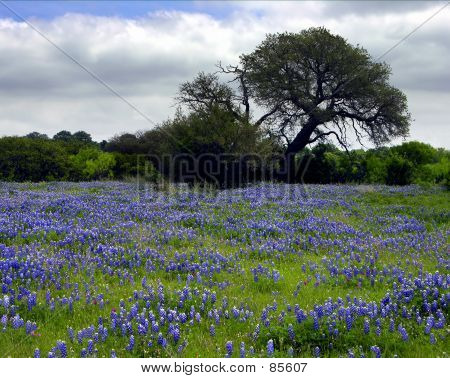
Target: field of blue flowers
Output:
{"points": [[110, 270]]}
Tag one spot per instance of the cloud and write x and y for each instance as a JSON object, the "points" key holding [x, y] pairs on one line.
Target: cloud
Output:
{"points": [[146, 58]]}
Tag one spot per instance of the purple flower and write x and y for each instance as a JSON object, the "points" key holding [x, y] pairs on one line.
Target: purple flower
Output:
{"points": [[90, 346], [403, 332], [242, 350], [130, 345], [316, 352], [229, 348], [270, 348], [61, 346], [291, 332], [80, 337], [290, 352], [70, 333], [432, 338], [376, 350], [366, 326]]}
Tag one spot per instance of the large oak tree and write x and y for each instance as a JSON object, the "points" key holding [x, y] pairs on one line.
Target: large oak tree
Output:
{"points": [[311, 86]]}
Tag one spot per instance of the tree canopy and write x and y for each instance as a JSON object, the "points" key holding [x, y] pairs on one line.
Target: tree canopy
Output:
{"points": [[321, 86], [310, 86]]}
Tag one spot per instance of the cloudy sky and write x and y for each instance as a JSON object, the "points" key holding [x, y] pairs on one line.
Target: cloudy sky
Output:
{"points": [[144, 50]]}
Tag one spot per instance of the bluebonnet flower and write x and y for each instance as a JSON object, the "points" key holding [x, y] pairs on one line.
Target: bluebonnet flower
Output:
{"points": [[70, 333], [61, 346], [429, 324], [242, 350], [391, 325], [28, 327], [17, 322], [256, 332], [317, 352], [212, 330], [349, 322], [161, 340], [403, 332], [130, 345], [176, 335], [291, 332], [48, 296], [432, 338], [315, 322], [4, 321], [31, 300], [270, 348], [229, 348], [181, 347], [90, 346], [290, 352], [366, 326], [376, 350], [83, 353], [37, 353]]}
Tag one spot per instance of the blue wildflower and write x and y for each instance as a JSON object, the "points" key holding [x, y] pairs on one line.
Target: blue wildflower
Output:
{"points": [[242, 350], [229, 348], [317, 352], [270, 348], [376, 350]]}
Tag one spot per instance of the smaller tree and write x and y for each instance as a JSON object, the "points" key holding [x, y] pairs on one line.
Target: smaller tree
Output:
{"points": [[82, 136], [64, 136], [399, 171], [90, 163], [36, 135]]}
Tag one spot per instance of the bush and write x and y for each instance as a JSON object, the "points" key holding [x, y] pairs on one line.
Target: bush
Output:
{"points": [[92, 164], [32, 159], [399, 171]]}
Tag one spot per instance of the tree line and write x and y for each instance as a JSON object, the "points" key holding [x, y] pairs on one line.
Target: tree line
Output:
{"points": [[75, 157]]}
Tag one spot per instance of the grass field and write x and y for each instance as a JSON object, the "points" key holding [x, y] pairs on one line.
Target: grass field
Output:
{"points": [[104, 269]]}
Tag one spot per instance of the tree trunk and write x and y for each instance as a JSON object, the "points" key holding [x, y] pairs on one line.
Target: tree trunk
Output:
{"points": [[288, 165]]}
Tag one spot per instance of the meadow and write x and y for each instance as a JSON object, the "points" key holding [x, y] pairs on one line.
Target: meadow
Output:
{"points": [[106, 269]]}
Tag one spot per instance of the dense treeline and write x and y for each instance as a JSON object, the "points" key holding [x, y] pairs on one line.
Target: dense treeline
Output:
{"points": [[75, 157]]}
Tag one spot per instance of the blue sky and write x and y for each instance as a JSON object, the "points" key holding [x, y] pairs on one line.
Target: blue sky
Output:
{"points": [[129, 9]]}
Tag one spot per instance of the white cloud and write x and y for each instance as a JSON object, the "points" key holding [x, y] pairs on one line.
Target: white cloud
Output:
{"points": [[145, 59]]}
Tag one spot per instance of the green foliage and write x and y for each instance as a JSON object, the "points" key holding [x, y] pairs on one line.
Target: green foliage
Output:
{"points": [[92, 164], [314, 77], [35, 158], [32, 159], [409, 163], [399, 171], [129, 166]]}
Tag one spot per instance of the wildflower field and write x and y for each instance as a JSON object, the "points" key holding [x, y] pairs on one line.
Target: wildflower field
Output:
{"points": [[108, 270]]}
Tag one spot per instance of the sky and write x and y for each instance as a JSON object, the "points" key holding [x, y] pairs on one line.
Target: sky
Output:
{"points": [[144, 50]]}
